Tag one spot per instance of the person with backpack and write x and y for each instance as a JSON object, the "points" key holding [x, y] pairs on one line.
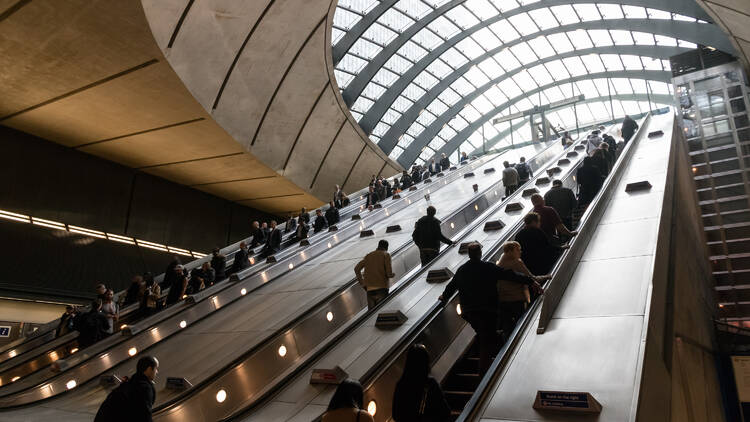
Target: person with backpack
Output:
{"points": [[427, 236], [91, 326], [524, 171], [418, 396], [133, 399]]}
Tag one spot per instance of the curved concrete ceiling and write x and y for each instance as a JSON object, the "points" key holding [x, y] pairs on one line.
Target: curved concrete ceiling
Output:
{"points": [[234, 98], [733, 17]]}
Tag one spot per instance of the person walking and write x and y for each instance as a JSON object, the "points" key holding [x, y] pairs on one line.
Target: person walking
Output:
{"points": [[476, 283], [537, 251], [510, 178], [524, 171], [133, 399], [418, 396], [551, 223], [346, 405], [628, 128], [427, 236], [589, 179], [241, 259], [377, 266], [563, 200]]}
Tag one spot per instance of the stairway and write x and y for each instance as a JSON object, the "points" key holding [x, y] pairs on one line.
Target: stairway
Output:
{"points": [[462, 380]]}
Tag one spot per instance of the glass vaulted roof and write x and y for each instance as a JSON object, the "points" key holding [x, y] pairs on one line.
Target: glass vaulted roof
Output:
{"points": [[426, 76]]}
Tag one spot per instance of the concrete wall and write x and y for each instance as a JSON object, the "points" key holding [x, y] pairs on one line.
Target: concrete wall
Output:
{"points": [[46, 180], [679, 380]]}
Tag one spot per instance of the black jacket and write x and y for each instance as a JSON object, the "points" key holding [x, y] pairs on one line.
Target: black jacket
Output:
{"points": [[562, 199], [274, 241], [91, 326], [536, 250], [259, 238], [407, 401], [406, 182], [304, 217], [219, 264], [629, 126], [319, 224], [178, 288], [476, 282], [240, 261], [131, 401], [372, 198], [427, 233], [332, 216], [445, 163]]}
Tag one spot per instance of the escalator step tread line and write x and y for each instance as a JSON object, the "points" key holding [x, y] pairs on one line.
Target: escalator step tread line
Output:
{"points": [[462, 380]]}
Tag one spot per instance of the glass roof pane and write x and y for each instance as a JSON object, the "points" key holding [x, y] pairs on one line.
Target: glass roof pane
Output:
{"points": [[686, 44], [385, 77], [462, 86], [631, 107], [373, 91], [414, 8], [395, 20], [574, 65], [462, 17], [345, 19], [470, 48], [413, 92], [543, 18], [507, 59], [584, 114], [470, 114], [580, 39], [621, 37], [650, 63], [505, 31], [336, 35], [397, 64], [447, 132], [362, 105], [365, 49], [565, 14], [665, 65], [359, 6], [443, 27], [391, 116], [621, 86], [351, 64], [617, 106], [658, 14], [523, 24], [486, 38], [374, 138], [449, 97], [643, 38], [634, 12], [558, 70], [602, 85], [458, 123], [659, 87], [599, 111], [412, 51], [495, 96], [540, 75], [439, 68], [601, 37], [476, 77], [436, 143], [524, 54], [491, 68], [437, 107], [560, 42], [402, 104], [541, 47], [482, 8], [593, 63], [426, 118], [436, 3], [611, 61], [587, 12], [526, 104], [554, 94], [380, 34], [610, 11], [427, 39], [668, 41], [396, 152], [586, 87], [525, 81], [631, 62], [509, 88], [639, 86], [454, 57], [415, 129], [505, 5], [426, 80], [380, 129]]}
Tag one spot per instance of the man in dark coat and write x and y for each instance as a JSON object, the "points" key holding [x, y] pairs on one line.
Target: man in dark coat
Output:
{"points": [[427, 236], [332, 215], [537, 252], [219, 264], [179, 287], [371, 197], [240, 259], [629, 126], [91, 326], [320, 222], [445, 162], [133, 399], [476, 282], [563, 200], [169, 272], [259, 236], [273, 245]]}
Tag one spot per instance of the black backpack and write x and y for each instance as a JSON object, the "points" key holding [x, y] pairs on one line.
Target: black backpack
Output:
{"points": [[523, 171], [115, 406]]}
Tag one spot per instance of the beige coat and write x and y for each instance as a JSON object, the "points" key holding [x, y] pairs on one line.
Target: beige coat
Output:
{"points": [[377, 266], [509, 291]]}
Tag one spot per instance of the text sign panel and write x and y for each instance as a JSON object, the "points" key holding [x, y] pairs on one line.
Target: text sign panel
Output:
{"points": [[4, 331], [567, 401]]}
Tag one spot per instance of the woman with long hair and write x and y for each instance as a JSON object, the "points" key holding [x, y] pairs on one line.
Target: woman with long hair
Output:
{"points": [[418, 396], [346, 404]]}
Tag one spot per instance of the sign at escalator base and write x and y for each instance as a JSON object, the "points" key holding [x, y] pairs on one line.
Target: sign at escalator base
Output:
{"points": [[328, 376], [567, 401]]}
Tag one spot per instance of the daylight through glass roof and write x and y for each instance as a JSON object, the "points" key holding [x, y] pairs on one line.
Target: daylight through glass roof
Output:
{"points": [[426, 76]]}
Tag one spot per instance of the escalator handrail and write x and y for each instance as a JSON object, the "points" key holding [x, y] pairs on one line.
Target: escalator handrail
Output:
{"points": [[567, 263]]}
